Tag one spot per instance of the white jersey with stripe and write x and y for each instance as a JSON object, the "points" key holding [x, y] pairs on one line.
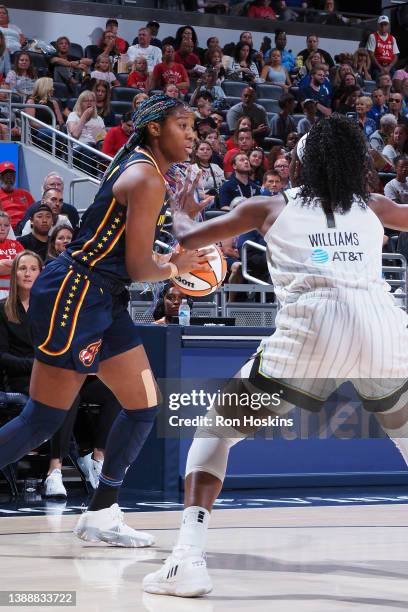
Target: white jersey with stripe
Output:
{"points": [[307, 252]]}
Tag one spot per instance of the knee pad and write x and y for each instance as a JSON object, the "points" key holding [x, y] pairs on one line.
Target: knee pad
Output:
{"points": [[209, 455]]}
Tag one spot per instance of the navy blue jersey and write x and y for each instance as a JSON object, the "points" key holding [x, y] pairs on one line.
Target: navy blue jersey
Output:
{"points": [[101, 240]]}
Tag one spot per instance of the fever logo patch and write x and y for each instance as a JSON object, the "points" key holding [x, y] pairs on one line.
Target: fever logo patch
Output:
{"points": [[88, 354]]}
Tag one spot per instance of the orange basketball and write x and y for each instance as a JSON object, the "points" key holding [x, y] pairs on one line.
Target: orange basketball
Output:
{"points": [[200, 282]]}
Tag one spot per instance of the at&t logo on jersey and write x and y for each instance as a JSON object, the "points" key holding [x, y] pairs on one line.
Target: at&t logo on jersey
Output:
{"points": [[88, 354], [320, 256]]}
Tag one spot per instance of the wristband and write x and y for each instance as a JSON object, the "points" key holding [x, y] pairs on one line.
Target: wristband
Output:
{"points": [[174, 269]]}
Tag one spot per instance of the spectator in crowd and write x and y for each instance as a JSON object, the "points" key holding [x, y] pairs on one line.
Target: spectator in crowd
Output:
{"points": [[312, 44], [383, 48], [139, 77], [395, 104], [169, 71], [384, 82], [281, 166], [106, 47], [52, 181], [399, 77], [5, 65], [54, 199], [152, 53], [153, 27], [318, 91], [43, 93], [347, 87], [203, 127], [215, 61], [102, 92], [287, 57], [15, 39], [186, 33], [339, 77], [398, 145], [283, 123], [313, 60], [14, 201], [186, 57], [348, 100], [261, 9], [218, 119], [397, 188], [60, 237], [242, 67], [275, 73], [257, 163], [249, 108], [291, 142], [68, 69], [103, 71], [22, 77], [310, 118], [168, 304], [84, 123], [212, 43], [362, 64], [138, 99], [203, 105], [9, 249], [245, 144], [383, 135], [330, 16], [276, 152], [208, 83], [217, 146], [255, 56], [41, 223], [239, 185], [112, 25], [118, 135], [368, 126], [212, 176], [243, 122], [271, 183], [171, 90], [379, 108]]}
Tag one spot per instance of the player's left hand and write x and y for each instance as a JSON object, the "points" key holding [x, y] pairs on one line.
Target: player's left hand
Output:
{"points": [[183, 199]]}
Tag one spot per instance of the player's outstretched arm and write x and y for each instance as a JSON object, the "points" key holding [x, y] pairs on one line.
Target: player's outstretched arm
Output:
{"points": [[391, 214], [249, 215], [142, 191]]}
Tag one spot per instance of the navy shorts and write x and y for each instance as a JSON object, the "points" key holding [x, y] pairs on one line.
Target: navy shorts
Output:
{"points": [[75, 323]]}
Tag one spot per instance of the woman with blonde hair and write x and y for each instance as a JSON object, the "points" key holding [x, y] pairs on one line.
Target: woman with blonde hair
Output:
{"points": [[137, 100], [367, 125], [83, 123], [362, 64], [43, 93], [103, 97]]}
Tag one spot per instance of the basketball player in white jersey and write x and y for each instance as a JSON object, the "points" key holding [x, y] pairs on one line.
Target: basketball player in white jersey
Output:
{"points": [[337, 320]]}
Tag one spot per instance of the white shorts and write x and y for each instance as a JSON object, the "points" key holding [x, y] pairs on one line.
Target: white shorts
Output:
{"points": [[333, 335]]}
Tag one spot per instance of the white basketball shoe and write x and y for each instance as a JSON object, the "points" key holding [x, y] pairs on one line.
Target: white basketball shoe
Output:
{"points": [[53, 485], [108, 526], [91, 469], [184, 574]]}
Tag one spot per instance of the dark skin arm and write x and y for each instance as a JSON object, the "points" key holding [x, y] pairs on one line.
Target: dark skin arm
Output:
{"points": [[391, 214], [142, 191]]}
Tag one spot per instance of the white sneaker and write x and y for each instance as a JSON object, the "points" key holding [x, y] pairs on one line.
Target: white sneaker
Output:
{"points": [[183, 575], [91, 469], [108, 526], [53, 485]]}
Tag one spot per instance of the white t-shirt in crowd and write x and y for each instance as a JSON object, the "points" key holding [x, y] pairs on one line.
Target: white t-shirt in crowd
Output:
{"points": [[396, 191], [91, 129], [12, 37], [152, 54]]}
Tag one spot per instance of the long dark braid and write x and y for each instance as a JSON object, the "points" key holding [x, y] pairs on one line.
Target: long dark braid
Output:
{"points": [[157, 108], [335, 164]]}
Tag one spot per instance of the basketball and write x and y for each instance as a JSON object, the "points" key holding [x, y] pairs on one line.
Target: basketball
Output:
{"points": [[200, 282]]}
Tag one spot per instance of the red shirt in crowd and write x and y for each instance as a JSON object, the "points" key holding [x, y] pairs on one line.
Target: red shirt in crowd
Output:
{"points": [[121, 44], [137, 79], [170, 73], [188, 61], [261, 12], [384, 49], [114, 140], [15, 203], [9, 249]]}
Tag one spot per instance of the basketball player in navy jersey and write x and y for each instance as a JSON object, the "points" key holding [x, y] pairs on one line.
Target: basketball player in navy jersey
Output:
{"points": [[337, 319], [80, 323]]}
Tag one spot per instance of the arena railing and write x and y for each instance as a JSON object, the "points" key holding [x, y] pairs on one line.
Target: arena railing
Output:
{"points": [[73, 183], [76, 154]]}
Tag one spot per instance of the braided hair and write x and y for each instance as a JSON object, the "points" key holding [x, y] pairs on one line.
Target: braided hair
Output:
{"points": [[335, 165], [156, 108]]}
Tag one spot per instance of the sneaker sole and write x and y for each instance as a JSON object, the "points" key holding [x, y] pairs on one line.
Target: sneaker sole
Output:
{"points": [[92, 534], [190, 589], [88, 475]]}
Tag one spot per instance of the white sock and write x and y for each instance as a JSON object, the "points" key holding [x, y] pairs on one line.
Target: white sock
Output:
{"points": [[193, 530]]}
